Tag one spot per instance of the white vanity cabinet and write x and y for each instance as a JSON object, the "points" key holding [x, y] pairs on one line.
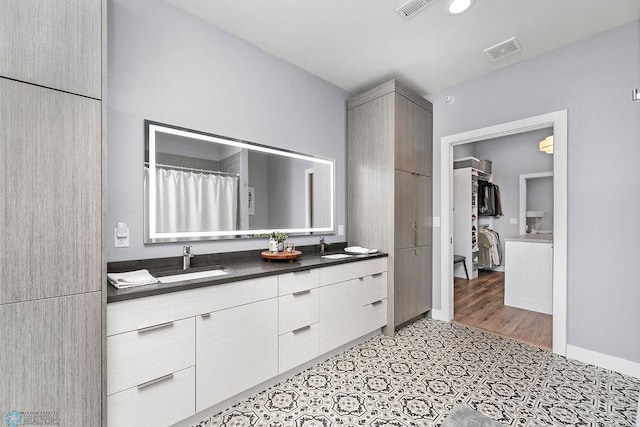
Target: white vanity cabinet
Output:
{"points": [[353, 301], [528, 275], [172, 355], [299, 317]]}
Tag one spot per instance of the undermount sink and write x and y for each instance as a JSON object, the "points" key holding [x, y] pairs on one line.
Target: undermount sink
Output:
{"points": [[337, 256], [192, 276]]}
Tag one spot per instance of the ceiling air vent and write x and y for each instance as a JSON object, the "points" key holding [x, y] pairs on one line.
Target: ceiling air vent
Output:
{"points": [[413, 7], [503, 49]]}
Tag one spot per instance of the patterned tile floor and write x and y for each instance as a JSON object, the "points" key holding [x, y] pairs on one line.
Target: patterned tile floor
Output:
{"points": [[415, 378]]}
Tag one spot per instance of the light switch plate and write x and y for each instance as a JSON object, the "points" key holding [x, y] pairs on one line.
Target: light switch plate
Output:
{"points": [[513, 221], [340, 230], [436, 221]]}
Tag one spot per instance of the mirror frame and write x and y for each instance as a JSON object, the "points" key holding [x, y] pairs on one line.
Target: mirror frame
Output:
{"points": [[152, 236]]}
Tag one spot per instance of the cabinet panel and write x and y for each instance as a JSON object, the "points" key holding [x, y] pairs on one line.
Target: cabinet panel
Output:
{"points": [[414, 135], [413, 283], [139, 356], [299, 347], [340, 310], [236, 349], [298, 310], [424, 211], [129, 315], [374, 288], [343, 272], [57, 44], [374, 316], [298, 281], [528, 276], [161, 404], [406, 228], [51, 357], [50, 180]]}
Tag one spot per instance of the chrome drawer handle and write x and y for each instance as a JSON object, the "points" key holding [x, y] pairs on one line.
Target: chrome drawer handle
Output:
{"points": [[377, 302], [156, 381], [376, 275], [304, 328], [361, 278], [205, 315], [297, 294], [154, 327]]}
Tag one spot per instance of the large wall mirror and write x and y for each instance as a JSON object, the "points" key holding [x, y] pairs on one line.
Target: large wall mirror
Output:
{"points": [[201, 186]]}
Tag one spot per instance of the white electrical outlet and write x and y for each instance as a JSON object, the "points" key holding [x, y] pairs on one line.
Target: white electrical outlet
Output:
{"points": [[121, 236], [341, 230]]}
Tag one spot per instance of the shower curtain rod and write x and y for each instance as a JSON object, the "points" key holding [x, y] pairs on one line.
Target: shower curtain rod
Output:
{"points": [[183, 168]]}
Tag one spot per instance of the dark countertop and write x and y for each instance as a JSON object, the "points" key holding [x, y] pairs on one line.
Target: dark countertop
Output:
{"points": [[239, 269]]}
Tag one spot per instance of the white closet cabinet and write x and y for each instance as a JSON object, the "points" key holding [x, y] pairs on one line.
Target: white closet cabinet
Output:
{"points": [[389, 188]]}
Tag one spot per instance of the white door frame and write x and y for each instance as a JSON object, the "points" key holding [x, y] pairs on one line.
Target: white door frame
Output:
{"points": [[557, 120]]}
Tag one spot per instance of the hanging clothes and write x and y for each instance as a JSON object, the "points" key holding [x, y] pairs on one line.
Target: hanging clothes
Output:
{"points": [[490, 250], [489, 203]]}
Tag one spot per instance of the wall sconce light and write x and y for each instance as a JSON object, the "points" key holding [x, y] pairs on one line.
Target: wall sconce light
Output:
{"points": [[546, 145]]}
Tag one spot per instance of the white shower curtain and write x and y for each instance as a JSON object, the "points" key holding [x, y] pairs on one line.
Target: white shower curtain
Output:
{"points": [[194, 201]]}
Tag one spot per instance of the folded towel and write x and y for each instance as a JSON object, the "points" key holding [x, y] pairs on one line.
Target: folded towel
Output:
{"points": [[131, 279], [359, 250]]}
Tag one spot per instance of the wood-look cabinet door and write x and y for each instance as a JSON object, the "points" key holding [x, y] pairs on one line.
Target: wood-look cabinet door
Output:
{"points": [[412, 285], [51, 358], [413, 137], [413, 210], [423, 209], [56, 44], [51, 204]]}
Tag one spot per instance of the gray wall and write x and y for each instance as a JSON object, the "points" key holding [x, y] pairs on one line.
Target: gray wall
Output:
{"points": [[171, 67], [511, 156], [593, 80]]}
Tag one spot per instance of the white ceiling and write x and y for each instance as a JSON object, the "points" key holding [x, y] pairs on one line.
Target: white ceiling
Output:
{"points": [[357, 44]]}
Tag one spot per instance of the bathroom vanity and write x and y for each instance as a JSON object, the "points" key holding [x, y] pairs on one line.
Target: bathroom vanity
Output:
{"points": [[175, 349]]}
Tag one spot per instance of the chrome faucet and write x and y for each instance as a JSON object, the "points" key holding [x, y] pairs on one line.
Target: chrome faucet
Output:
{"points": [[322, 245], [186, 257]]}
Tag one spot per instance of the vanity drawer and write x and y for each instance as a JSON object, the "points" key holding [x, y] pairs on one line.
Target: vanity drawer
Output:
{"points": [[138, 313], [352, 270], [298, 347], [160, 403], [374, 316], [298, 309], [142, 355], [374, 288], [298, 281]]}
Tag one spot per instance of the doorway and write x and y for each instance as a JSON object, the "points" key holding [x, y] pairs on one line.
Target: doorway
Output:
{"points": [[557, 121]]}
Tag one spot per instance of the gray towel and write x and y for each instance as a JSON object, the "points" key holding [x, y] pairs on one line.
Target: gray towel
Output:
{"points": [[464, 416]]}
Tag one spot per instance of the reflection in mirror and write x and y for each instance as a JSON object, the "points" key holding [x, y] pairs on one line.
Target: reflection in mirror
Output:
{"points": [[200, 186]]}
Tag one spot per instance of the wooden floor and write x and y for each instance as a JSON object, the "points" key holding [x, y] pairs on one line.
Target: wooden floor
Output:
{"points": [[479, 303]]}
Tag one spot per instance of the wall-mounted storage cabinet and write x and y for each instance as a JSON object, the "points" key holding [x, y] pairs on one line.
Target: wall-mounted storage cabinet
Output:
{"points": [[389, 190], [51, 246]]}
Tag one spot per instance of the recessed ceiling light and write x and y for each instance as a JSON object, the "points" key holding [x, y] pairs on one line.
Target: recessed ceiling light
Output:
{"points": [[455, 7]]}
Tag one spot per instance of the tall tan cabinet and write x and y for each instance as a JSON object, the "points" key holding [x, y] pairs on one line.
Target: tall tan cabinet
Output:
{"points": [[389, 190], [51, 210]]}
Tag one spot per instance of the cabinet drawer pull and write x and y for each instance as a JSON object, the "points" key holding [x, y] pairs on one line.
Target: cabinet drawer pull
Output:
{"points": [[361, 278], [154, 327], [205, 315], [304, 328], [156, 381], [377, 302], [297, 294], [376, 275]]}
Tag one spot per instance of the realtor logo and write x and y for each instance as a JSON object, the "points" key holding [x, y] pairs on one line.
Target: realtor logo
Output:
{"points": [[14, 418]]}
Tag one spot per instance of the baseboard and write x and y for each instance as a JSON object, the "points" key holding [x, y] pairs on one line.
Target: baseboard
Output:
{"points": [[606, 361], [438, 315]]}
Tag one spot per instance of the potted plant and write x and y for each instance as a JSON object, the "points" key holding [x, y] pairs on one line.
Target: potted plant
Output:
{"points": [[276, 239]]}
